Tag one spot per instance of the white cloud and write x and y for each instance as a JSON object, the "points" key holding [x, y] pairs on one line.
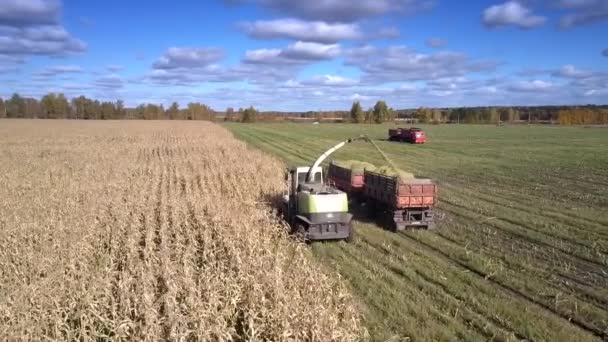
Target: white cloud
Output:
{"points": [[330, 80], [110, 81], [345, 10], [29, 12], [359, 97], [10, 63], [188, 57], [311, 51], [570, 71], [59, 69], [31, 27], [398, 63], [39, 40], [297, 53], [511, 13], [531, 86], [583, 12], [308, 31], [264, 56]]}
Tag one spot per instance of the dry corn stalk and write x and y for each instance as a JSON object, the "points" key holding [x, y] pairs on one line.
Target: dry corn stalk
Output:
{"points": [[146, 231]]}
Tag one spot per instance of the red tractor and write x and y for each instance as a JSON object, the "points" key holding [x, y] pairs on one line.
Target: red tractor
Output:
{"points": [[411, 135]]}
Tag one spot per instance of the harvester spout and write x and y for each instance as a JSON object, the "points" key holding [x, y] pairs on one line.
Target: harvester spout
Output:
{"points": [[309, 175]]}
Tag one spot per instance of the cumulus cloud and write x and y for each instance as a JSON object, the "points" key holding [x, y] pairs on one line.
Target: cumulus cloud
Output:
{"points": [[399, 63], [308, 31], [583, 81], [531, 86], [29, 12], [330, 80], [59, 69], [110, 81], [10, 63], [297, 53], [511, 13], [436, 42], [343, 10], [583, 12], [188, 57], [311, 51], [254, 73], [41, 40], [570, 71], [31, 27]]}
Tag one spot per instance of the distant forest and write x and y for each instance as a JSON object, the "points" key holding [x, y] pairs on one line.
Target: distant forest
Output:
{"points": [[57, 106]]}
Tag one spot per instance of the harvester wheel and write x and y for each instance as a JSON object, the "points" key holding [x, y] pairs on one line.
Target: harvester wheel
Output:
{"points": [[351, 234], [300, 231]]}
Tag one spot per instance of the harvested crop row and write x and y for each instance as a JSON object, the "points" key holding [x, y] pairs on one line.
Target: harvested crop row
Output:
{"points": [[152, 231]]}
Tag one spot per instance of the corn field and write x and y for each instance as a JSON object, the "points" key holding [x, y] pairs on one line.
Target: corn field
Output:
{"points": [[153, 231]]}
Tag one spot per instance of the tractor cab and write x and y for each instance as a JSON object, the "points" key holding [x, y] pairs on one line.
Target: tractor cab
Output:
{"points": [[296, 177], [314, 209]]}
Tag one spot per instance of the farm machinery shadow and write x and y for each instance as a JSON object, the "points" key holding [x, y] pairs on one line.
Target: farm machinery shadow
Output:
{"points": [[358, 208], [364, 212]]}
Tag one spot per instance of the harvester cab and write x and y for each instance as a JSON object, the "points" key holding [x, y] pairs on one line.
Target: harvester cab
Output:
{"points": [[314, 209]]}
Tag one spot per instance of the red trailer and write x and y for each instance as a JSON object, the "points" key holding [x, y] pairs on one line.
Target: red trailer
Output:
{"points": [[410, 201], [412, 135], [345, 179]]}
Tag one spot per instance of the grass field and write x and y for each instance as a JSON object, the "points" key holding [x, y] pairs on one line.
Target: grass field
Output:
{"points": [[521, 251], [152, 231]]}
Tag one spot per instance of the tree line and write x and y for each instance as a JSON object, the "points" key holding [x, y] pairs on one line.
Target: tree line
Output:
{"points": [[564, 115], [381, 112], [57, 106], [583, 116]]}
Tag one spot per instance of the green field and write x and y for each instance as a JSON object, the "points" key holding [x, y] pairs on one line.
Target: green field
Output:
{"points": [[521, 251]]}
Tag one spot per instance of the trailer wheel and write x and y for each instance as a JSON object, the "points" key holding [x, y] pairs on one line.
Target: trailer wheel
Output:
{"points": [[371, 209]]}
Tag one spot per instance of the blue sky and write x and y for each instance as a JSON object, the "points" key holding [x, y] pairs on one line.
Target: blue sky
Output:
{"points": [[308, 55]]}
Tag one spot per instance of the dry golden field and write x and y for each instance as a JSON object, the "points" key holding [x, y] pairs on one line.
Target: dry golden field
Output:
{"points": [[152, 230]]}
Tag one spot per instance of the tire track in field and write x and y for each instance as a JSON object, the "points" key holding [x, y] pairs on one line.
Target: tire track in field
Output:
{"points": [[398, 241], [591, 267], [517, 293], [426, 282], [515, 208], [517, 232], [580, 289], [523, 200], [592, 305], [365, 266], [515, 199], [590, 299], [581, 268]]}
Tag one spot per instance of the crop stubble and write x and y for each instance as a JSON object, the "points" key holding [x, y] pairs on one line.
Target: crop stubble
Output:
{"points": [[521, 253]]}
